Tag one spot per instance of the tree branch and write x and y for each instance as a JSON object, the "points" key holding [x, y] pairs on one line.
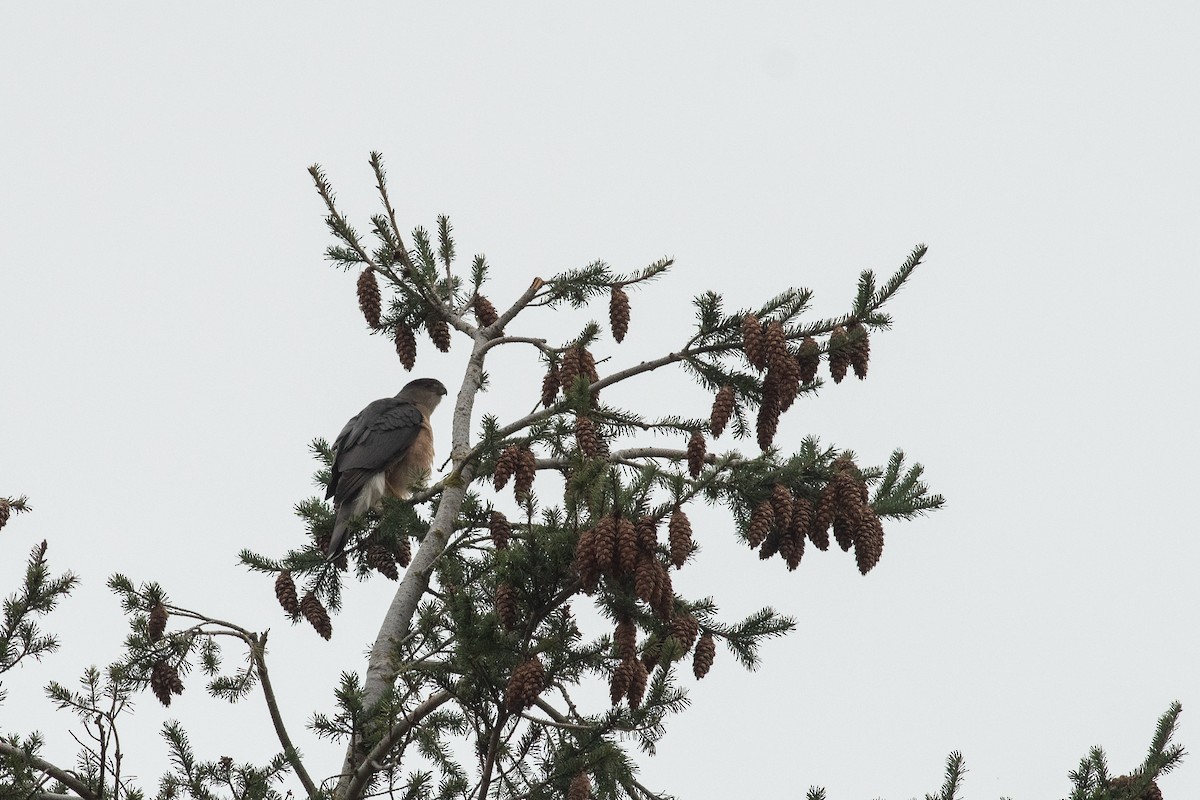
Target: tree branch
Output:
{"points": [[258, 648], [59, 774]]}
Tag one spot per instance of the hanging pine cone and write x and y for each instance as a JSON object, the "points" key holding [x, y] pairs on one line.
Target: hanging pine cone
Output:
{"points": [[843, 532], [606, 545], [618, 313], [524, 471], [406, 345], [791, 546], [587, 365], [645, 579], [285, 593], [525, 684], [625, 637], [581, 787], [637, 685], [383, 561], [621, 678], [651, 652], [781, 504], [868, 540], [809, 359], [439, 333], [586, 563], [679, 533], [485, 312], [550, 385], [695, 453], [586, 437], [569, 368], [369, 300], [702, 659], [647, 534], [505, 465], [859, 349], [786, 374], [768, 414], [627, 547], [752, 342], [500, 529], [663, 602], [761, 522], [775, 344], [316, 615], [164, 682], [839, 354], [722, 410], [770, 545], [403, 552], [157, 623], [685, 629], [1126, 783], [506, 606]]}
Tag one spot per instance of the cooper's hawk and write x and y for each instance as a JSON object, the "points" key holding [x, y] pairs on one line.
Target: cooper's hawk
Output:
{"points": [[385, 449]]}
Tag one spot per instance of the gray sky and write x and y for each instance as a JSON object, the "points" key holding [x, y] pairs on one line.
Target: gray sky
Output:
{"points": [[173, 340]]}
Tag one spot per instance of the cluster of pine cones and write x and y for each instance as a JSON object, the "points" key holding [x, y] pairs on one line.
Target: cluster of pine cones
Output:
{"points": [[309, 607], [781, 523]]}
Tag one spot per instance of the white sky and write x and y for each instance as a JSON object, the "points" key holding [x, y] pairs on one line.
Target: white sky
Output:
{"points": [[172, 338]]}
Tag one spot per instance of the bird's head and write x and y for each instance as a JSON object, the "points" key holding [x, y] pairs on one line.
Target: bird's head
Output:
{"points": [[424, 392]]}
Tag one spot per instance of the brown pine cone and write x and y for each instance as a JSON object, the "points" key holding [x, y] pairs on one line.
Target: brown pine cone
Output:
{"points": [[823, 516], [506, 605], [706, 652], [316, 615], [791, 546], [722, 410], [485, 312], [752, 342], [1126, 782], [647, 534], [859, 349], [500, 529], [679, 532], [868, 540], [586, 563], [645, 579], [843, 532], [586, 437], [768, 413], [839, 354], [403, 551], [406, 345], [285, 593], [525, 684], [550, 385], [685, 629], [581, 786], [369, 299], [809, 359], [5, 511], [525, 470], [618, 313], [695, 453], [761, 522], [569, 368], [587, 365], [439, 332], [157, 623], [383, 561], [775, 344], [625, 638], [637, 685], [621, 678], [788, 381], [663, 602], [781, 504], [627, 547], [164, 682], [606, 545], [505, 465], [770, 545]]}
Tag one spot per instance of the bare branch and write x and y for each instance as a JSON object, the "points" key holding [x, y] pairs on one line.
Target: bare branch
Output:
{"points": [[61, 775]]}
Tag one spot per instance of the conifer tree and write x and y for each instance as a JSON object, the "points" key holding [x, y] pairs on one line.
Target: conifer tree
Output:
{"points": [[481, 678]]}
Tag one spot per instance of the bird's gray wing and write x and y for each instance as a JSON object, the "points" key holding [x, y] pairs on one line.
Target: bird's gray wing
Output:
{"points": [[377, 436]]}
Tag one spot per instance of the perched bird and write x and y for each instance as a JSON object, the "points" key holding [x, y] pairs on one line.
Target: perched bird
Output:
{"points": [[385, 449]]}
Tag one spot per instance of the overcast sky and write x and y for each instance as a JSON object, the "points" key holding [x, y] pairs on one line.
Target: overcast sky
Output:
{"points": [[172, 338]]}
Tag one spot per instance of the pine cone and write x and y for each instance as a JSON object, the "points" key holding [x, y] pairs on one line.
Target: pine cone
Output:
{"points": [[550, 385], [285, 593], [702, 659], [1126, 782], [625, 638], [685, 629], [791, 546], [403, 552], [868, 540], [823, 516], [587, 365], [581, 787], [839, 354], [380, 559], [164, 682], [627, 547], [586, 563], [781, 504], [621, 678], [500, 529], [770, 545], [645, 579], [369, 300], [663, 602], [439, 332], [637, 686], [569, 368], [752, 342], [526, 683], [525, 471], [775, 344], [5, 511], [506, 606], [859, 349], [618, 313], [809, 359], [316, 615], [157, 622], [606, 545], [768, 413], [586, 437], [695, 454], [647, 534], [761, 522], [679, 532], [787, 379], [505, 465], [485, 312], [722, 410], [843, 532], [406, 345]]}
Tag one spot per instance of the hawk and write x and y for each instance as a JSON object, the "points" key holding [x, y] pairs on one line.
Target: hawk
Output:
{"points": [[385, 449]]}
